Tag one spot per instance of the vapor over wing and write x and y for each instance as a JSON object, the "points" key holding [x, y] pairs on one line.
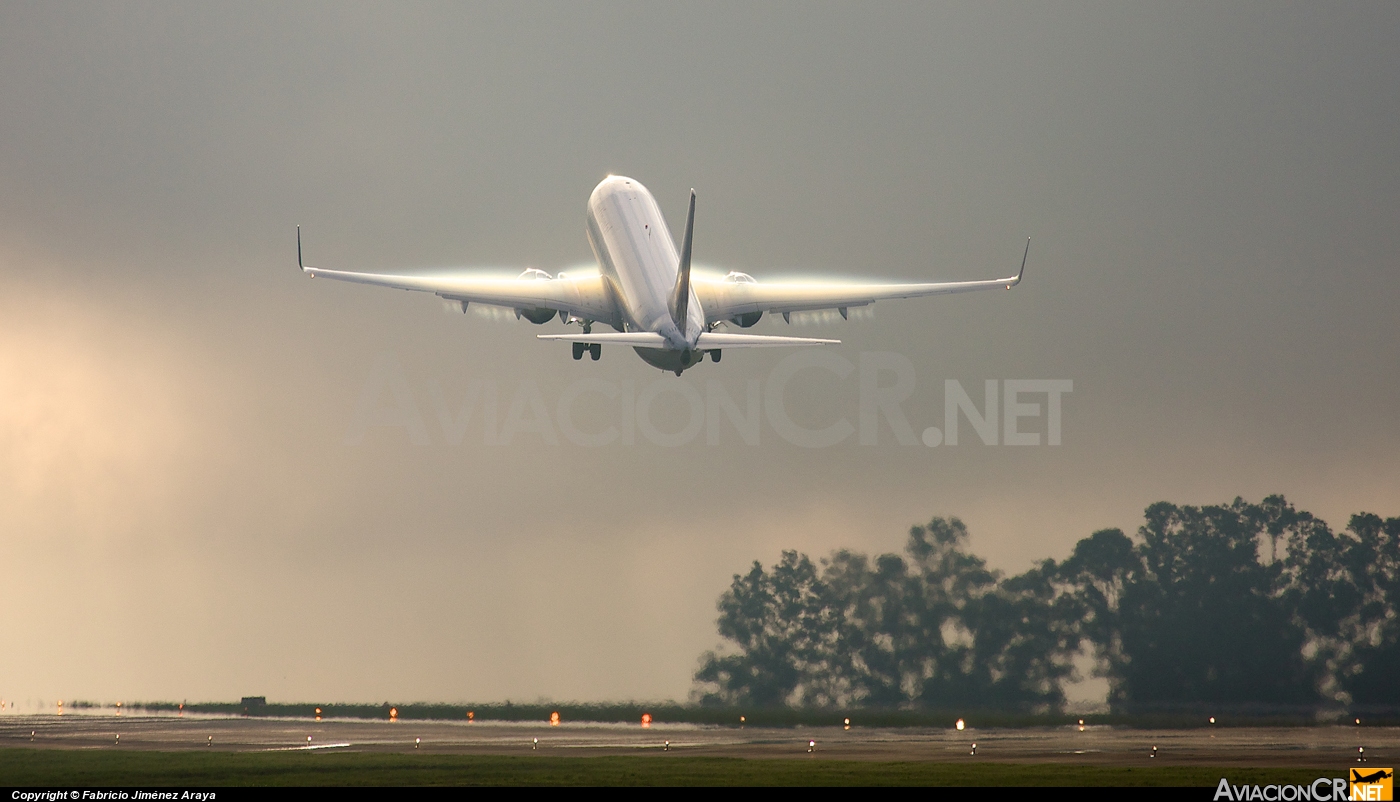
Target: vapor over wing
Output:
{"points": [[724, 299], [586, 296]]}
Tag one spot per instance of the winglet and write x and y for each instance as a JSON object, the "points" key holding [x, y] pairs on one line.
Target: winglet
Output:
{"points": [[1022, 271], [680, 300], [299, 264]]}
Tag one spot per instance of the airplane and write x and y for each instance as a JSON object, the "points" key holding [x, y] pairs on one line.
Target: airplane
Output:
{"points": [[645, 292], [1357, 778]]}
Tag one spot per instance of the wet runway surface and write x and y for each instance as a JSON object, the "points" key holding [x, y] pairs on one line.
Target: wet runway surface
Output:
{"points": [[1330, 747]]}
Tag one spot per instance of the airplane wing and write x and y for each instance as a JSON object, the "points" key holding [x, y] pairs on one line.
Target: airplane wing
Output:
{"points": [[586, 296], [729, 298]]}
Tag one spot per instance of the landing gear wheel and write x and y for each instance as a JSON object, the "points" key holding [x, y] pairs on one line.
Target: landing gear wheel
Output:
{"points": [[578, 350], [714, 355], [595, 350]]}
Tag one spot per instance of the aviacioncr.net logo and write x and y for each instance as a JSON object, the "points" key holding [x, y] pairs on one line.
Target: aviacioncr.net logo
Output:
{"points": [[1375, 785], [880, 388]]}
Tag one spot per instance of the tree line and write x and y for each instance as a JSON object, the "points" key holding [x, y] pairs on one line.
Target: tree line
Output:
{"points": [[1240, 605]]}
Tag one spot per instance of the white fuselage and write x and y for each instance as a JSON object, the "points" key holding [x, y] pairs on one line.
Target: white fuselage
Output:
{"points": [[639, 261]]}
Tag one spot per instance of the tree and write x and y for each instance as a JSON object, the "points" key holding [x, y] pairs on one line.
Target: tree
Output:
{"points": [[1319, 584], [1369, 673], [936, 628], [1228, 605], [1189, 614], [1023, 642], [882, 637], [783, 625], [1097, 574]]}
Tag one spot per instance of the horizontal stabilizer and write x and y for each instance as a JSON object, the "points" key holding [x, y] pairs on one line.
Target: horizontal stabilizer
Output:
{"points": [[637, 339], [708, 340]]}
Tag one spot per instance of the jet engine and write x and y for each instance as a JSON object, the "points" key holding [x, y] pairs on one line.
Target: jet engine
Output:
{"points": [[747, 319], [535, 314]]}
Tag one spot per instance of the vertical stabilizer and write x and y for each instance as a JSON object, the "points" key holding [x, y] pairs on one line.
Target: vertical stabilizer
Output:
{"points": [[680, 298]]}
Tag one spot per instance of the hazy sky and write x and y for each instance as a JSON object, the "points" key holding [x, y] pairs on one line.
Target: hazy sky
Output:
{"points": [[1213, 192]]}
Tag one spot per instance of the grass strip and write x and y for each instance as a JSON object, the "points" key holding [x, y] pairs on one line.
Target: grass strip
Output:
{"points": [[83, 768]]}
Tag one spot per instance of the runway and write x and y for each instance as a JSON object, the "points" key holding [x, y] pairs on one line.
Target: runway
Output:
{"points": [[1323, 747]]}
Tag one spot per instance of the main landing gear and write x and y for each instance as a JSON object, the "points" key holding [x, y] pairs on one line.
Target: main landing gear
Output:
{"points": [[595, 350]]}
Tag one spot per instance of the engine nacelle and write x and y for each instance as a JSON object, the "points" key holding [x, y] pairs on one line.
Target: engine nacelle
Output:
{"points": [[748, 318], [536, 315]]}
